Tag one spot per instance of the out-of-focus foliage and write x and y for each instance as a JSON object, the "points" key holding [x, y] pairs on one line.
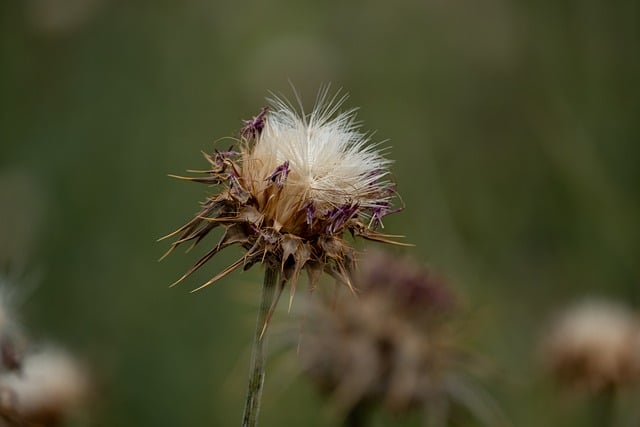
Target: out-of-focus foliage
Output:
{"points": [[513, 126]]}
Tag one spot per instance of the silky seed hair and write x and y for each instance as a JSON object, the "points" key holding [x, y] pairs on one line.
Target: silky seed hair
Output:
{"points": [[318, 162]]}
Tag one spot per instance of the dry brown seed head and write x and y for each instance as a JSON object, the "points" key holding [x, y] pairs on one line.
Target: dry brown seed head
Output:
{"points": [[291, 189]]}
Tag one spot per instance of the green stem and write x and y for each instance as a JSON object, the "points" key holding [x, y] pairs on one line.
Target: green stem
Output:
{"points": [[358, 416], [256, 376], [603, 407]]}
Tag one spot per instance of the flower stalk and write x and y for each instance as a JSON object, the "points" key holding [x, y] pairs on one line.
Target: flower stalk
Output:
{"points": [[603, 407], [257, 369], [358, 416]]}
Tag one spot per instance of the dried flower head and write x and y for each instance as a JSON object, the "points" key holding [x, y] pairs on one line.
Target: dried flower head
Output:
{"points": [[594, 346], [49, 387], [39, 386], [396, 345], [291, 189]]}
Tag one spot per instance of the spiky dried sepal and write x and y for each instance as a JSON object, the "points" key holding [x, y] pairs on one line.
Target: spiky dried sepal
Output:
{"points": [[296, 184]]}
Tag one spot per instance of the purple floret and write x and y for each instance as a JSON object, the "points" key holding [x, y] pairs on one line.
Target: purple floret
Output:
{"points": [[253, 128], [279, 176], [337, 217]]}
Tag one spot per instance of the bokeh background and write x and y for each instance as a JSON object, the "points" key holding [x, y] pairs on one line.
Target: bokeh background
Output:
{"points": [[513, 125]]}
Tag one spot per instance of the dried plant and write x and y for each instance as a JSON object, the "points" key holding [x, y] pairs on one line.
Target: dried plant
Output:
{"points": [[593, 349], [594, 346], [48, 387], [396, 345], [292, 189], [39, 386], [287, 194]]}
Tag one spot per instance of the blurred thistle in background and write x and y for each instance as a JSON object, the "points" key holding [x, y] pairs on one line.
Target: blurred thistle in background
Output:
{"points": [[594, 346], [40, 385], [399, 344], [592, 349]]}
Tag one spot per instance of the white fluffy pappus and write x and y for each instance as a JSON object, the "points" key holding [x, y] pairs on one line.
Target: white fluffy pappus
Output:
{"points": [[331, 162]]}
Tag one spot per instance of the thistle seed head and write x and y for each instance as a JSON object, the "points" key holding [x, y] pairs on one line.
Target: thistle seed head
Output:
{"points": [[50, 387], [39, 385], [594, 346], [290, 190], [395, 346]]}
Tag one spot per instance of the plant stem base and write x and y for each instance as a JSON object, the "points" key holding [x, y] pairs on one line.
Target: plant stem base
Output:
{"points": [[256, 376]]}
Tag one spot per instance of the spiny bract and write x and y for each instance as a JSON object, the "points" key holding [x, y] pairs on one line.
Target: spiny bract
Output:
{"points": [[290, 190]]}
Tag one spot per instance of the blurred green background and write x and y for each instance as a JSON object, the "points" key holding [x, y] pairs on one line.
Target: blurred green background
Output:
{"points": [[513, 126]]}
